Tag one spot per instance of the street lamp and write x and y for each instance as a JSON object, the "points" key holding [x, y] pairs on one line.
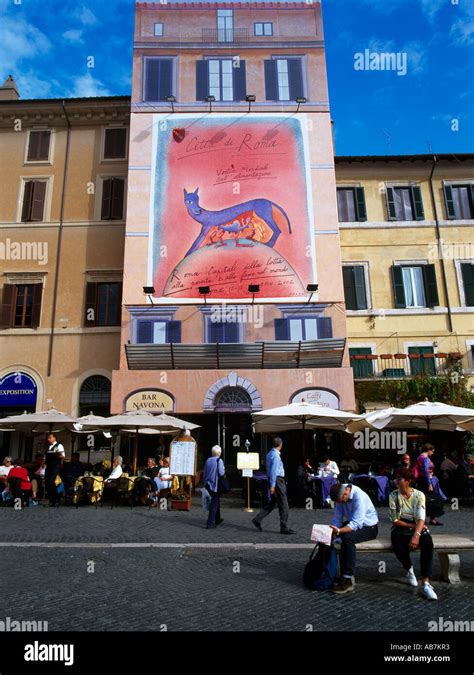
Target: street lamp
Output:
{"points": [[254, 288], [250, 98], [312, 289], [299, 101], [172, 100], [210, 100], [204, 291], [150, 292]]}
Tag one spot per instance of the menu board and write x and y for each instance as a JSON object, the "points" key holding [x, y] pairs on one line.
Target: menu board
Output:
{"points": [[248, 460], [183, 458]]}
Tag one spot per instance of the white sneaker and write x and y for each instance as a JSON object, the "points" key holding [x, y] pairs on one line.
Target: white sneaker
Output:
{"points": [[429, 592], [411, 578]]}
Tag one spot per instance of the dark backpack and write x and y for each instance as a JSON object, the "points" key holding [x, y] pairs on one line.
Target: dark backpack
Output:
{"points": [[320, 571]]}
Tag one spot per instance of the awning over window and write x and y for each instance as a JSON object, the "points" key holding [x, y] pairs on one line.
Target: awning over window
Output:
{"points": [[251, 356]]}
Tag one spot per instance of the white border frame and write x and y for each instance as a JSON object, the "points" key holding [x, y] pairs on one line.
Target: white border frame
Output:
{"points": [[460, 282], [99, 189], [47, 202], [52, 148], [368, 290], [174, 78], [118, 160], [302, 118]]}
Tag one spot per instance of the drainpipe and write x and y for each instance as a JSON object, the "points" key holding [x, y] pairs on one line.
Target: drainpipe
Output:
{"points": [[60, 239], [438, 237]]}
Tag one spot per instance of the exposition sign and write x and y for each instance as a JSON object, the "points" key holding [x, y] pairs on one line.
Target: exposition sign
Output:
{"points": [[231, 207], [18, 390]]}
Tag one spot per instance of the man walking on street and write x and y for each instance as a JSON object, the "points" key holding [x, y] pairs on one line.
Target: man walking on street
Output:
{"points": [[276, 481]]}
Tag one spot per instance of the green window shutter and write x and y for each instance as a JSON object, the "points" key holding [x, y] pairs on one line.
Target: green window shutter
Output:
{"points": [[36, 312], [431, 288], [398, 289], [392, 213], [361, 208], [349, 287], [417, 203], [449, 202], [27, 201], [360, 289], [361, 368], [471, 200], [38, 201], [467, 271], [107, 199], [422, 366]]}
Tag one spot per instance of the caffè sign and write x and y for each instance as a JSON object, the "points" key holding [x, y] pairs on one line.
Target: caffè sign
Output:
{"points": [[318, 396], [149, 400]]}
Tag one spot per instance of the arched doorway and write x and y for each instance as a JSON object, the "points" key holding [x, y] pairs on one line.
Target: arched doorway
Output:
{"points": [[94, 397], [233, 400]]}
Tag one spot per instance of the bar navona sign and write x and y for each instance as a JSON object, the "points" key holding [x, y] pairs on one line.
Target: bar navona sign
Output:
{"points": [[149, 400]]}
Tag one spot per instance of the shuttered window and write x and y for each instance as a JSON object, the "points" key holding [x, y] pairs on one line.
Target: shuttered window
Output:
{"points": [[303, 328], [225, 79], [405, 203], [351, 205], [158, 332], [467, 272], [361, 367], [21, 305], [415, 286], [355, 290], [103, 304], [113, 196], [39, 143], [158, 79], [115, 146], [34, 200], [223, 331], [422, 366], [459, 200], [284, 79]]}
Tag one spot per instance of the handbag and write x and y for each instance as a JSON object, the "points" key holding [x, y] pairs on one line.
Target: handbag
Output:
{"points": [[223, 484]]}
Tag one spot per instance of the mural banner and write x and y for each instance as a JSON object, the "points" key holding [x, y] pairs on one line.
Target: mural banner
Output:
{"points": [[231, 206]]}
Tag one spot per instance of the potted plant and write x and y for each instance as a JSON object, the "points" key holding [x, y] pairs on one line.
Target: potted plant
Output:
{"points": [[181, 501]]}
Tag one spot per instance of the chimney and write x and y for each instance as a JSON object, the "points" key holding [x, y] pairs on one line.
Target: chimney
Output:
{"points": [[9, 90]]}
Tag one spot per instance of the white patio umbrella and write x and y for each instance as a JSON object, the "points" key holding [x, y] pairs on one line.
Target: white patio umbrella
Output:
{"points": [[432, 416], [134, 421], [48, 421], [302, 416]]}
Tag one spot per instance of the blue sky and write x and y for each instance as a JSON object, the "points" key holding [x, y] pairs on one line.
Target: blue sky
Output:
{"points": [[45, 45]]}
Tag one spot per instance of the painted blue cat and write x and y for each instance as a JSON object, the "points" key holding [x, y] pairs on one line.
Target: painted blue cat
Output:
{"points": [[264, 209]]}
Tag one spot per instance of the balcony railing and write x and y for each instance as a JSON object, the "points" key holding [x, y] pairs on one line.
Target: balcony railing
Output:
{"points": [[396, 366], [224, 35]]}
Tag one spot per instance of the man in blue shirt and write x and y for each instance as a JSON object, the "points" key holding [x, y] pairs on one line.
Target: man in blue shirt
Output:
{"points": [[213, 470], [355, 520], [276, 482]]}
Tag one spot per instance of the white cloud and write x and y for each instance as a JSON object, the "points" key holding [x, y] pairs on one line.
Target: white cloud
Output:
{"points": [[31, 86], [87, 85], [73, 36], [20, 40], [86, 16], [462, 32]]}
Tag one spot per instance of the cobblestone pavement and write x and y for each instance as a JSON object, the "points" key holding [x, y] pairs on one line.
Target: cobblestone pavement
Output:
{"points": [[223, 588]]}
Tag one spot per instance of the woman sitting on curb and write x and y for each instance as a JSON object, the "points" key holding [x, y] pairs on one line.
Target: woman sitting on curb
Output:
{"points": [[408, 513]]}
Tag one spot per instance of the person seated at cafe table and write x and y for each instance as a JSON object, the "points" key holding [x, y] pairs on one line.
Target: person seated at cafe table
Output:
{"points": [[355, 519], [328, 468], [407, 508], [4, 471], [18, 471]]}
